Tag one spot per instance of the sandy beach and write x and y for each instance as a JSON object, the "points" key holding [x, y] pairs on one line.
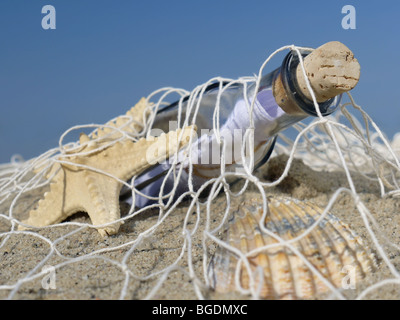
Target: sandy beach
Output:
{"points": [[306, 94], [87, 266]]}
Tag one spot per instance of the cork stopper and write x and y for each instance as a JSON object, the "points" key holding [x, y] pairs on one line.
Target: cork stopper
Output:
{"points": [[331, 70]]}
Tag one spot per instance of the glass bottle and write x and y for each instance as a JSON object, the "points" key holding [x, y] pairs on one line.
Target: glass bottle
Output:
{"points": [[279, 103]]}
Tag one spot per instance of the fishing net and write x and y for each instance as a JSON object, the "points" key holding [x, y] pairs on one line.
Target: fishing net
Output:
{"points": [[343, 162]]}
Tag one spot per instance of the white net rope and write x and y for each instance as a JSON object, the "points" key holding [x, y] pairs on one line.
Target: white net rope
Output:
{"points": [[163, 250]]}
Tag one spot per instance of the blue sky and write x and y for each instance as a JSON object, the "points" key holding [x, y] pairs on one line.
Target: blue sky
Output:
{"points": [[104, 55]]}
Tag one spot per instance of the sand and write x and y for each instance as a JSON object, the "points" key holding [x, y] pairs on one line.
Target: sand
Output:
{"points": [[91, 267]]}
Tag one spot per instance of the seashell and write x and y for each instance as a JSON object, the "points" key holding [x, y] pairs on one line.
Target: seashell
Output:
{"points": [[331, 247]]}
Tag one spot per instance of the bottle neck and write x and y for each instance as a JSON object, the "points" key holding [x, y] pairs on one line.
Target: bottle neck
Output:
{"points": [[290, 97]]}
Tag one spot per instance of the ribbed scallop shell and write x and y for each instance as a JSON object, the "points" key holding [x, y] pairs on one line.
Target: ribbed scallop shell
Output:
{"points": [[331, 247]]}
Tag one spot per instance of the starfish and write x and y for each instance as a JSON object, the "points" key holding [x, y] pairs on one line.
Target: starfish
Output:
{"points": [[91, 181]]}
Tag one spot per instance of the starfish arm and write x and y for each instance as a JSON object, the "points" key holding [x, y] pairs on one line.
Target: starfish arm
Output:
{"points": [[59, 202], [137, 112], [103, 201], [126, 159]]}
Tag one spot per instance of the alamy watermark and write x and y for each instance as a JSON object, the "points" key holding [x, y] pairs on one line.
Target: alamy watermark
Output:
{"points": [[49, 20], [233, 146], [349, 20], [49, 280], [349, 280]]}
